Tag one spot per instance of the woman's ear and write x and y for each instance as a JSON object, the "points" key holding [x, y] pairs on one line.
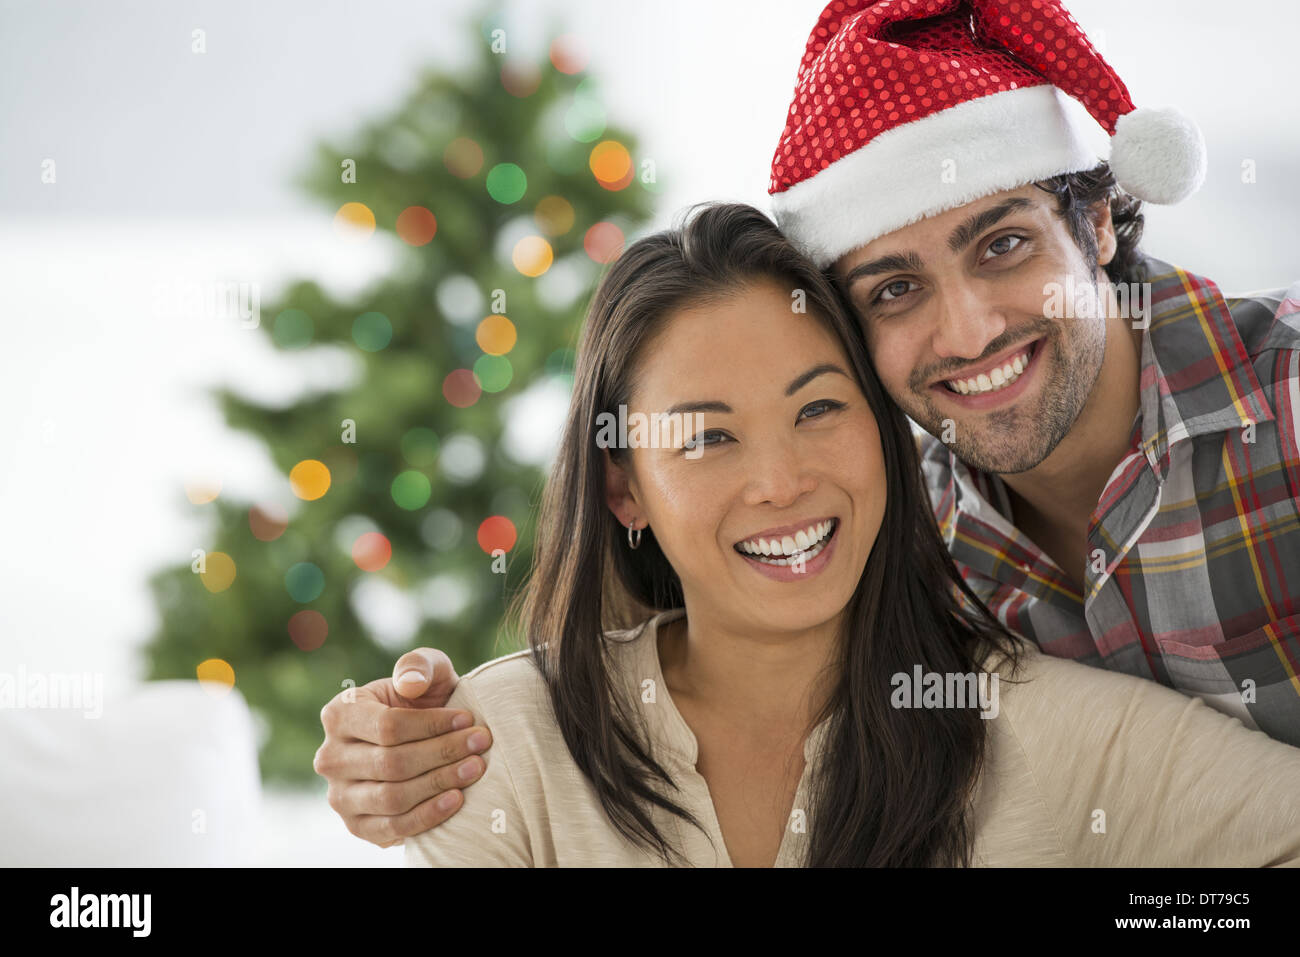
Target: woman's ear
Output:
{"points": [[619, 492], [1105, 230]]}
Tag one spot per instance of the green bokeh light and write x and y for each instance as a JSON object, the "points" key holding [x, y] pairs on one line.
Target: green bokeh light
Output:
{"points": [[372, 331], [585, 119], [506, 183], [493, 372], [411, 490], [304, 582], [292, 329]]}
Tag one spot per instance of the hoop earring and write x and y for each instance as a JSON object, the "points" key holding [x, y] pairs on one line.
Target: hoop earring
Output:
{"points": [[633, 542]]}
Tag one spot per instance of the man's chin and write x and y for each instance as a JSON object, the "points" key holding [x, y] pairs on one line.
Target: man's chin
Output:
{"points": [[1005, 449], [1007, 462], [1022, 435]]}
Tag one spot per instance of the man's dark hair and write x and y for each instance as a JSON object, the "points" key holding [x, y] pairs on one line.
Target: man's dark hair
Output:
{"points": [[1076, 194]]}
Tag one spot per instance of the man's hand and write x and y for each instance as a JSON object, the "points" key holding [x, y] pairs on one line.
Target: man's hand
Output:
{"points": [[394, 755]]}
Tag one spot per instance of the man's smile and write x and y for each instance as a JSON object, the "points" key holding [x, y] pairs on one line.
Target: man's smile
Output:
{"points": [[999, 380]]}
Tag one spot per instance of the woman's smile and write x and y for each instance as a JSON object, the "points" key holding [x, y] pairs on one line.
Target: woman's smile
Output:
{"points": [[791, 553]]}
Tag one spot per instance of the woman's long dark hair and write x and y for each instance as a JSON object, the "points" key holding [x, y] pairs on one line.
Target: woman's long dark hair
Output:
{"points": [[895, 785]]}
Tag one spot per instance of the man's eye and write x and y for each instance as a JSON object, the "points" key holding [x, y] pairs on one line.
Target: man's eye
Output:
{"points": [[1000, 248], [894, 290]]}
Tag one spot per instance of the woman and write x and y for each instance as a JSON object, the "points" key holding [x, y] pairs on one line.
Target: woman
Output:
{"points": [[749, 645]]}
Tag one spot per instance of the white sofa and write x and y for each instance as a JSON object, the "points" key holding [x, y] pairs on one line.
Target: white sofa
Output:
{"points": [[166, 776]]}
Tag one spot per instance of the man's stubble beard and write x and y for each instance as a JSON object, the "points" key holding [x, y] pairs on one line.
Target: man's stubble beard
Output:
{"points": [[1018, 439]]}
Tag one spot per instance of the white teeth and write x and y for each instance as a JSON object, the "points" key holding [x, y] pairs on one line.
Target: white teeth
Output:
{"points": [[992, 381], [808, 540]]}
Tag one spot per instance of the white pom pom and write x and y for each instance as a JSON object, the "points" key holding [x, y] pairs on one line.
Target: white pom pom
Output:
{"points": [[1158, 155]]}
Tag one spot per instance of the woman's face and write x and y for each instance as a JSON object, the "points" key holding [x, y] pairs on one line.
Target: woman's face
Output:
{"points": [[789, 461]]}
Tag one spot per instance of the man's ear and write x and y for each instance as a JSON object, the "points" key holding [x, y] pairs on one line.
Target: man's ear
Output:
{"points": [[1107, 243], [620, 494]]}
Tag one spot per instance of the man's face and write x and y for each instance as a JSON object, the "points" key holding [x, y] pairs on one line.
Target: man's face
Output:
{"points": [[955, 310]]}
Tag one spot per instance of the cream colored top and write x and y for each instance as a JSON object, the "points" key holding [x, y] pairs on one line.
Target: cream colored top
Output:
{"points": [[1084, 767]]}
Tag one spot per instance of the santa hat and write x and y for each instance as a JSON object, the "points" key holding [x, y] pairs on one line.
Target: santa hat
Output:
{"points": [[907, 108]]}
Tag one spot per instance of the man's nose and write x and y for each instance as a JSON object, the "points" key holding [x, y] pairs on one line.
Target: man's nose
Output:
{"points": [[968, 321]]}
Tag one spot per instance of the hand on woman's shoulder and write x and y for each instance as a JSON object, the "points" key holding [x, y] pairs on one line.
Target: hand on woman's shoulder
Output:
{"points": [[491, 828]]}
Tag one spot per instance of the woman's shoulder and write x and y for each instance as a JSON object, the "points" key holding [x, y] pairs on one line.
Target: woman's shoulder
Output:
{"points": [[1038, 685], [503, 693], [1119, 770], [1062, 706], [1038, 678], [512, 667], [514, 686]]}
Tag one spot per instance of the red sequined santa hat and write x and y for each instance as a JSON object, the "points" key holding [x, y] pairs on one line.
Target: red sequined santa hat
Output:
{"points": [[907, 108]]}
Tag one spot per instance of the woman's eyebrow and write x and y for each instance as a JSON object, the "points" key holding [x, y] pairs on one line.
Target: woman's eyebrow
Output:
{"points": [[799, 381], [699, 405], [802, 380]]}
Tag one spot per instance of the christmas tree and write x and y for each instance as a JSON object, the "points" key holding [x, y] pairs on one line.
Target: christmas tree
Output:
{"points": [[404, 519]]}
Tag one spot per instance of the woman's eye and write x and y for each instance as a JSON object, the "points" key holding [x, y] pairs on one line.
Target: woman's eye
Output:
{"points": [[1000, 247], [894, 290], [698, 441], [825, 405]]}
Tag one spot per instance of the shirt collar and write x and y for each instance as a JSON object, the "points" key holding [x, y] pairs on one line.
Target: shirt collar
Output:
{"points": [[1197, 376]]}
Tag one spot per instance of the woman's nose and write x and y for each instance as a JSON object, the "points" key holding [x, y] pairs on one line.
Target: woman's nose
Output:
{"points": [[777, 475]]}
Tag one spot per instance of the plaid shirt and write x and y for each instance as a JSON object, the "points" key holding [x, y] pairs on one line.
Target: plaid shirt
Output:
{"points": [[1193, 558]]}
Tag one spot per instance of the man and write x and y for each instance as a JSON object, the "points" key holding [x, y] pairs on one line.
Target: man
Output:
{"points": [[1113, 453]]}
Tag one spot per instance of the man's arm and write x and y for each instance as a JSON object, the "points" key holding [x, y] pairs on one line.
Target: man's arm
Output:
{"points": [[394, 754]]}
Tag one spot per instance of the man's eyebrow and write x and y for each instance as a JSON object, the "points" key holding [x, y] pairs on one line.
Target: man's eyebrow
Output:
{"points": [[713, 405], [960, 238], [894, 262], [963, 235]]}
